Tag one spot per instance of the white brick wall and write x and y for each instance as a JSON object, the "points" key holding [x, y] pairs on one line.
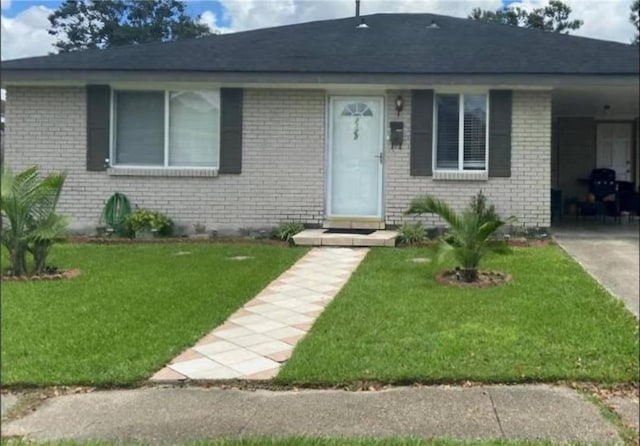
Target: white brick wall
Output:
{"points": [[526, 194], [282, 167], [283, 163]]}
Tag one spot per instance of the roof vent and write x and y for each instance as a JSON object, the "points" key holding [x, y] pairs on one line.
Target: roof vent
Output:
{"points": [[433, 25], [362, 24]]}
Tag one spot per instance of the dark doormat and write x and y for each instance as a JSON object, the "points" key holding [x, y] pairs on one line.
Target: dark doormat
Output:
{"points": [[350, 231]]}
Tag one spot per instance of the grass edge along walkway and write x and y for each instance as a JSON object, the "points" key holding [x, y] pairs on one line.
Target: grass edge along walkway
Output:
{"points": [[133, 308], [393, 324]]}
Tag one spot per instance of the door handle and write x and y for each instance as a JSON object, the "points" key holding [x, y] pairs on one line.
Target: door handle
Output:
{"points": [[380, 156]]}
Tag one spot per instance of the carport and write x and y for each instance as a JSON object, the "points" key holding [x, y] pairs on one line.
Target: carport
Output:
{"points": [[594, 126]]}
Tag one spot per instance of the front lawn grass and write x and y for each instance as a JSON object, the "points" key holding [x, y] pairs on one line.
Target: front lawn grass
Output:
{"points": [[131, 310], [393, 323]]}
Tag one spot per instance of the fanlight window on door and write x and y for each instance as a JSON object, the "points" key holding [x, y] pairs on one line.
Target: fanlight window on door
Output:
{"points": [[357, 109]]}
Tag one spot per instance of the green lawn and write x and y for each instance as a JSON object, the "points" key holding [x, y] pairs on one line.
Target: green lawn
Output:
{"points": [[393, 323], [133, 308]]}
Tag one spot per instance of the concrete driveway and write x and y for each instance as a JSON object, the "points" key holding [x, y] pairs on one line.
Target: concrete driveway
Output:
{"points": [[610, 253]]}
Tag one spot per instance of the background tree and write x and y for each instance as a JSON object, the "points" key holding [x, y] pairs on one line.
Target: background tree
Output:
{"points": [[84, 24], [635, 19], [553, 17]]}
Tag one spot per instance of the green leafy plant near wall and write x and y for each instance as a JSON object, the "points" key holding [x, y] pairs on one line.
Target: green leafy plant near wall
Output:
{"points": [[115, 213], [286, 231], [143, 220], [411, 234], [30, 223]]}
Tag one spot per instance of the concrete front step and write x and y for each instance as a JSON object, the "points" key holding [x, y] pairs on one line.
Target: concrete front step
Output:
{"points": [[353, 223], [318, 237]]}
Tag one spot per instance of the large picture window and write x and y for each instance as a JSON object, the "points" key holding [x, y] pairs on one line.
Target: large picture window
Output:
{"points": [[461, 132], [167, 128]]}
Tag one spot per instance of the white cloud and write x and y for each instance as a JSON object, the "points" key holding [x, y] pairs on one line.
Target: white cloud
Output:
{"points": [[607, 20], [251, 14], [603, 19], [5, 4], [210, 19], [26, 34]]}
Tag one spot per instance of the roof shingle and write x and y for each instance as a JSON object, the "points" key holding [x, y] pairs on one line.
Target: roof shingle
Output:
{"points": [[393, 43]]}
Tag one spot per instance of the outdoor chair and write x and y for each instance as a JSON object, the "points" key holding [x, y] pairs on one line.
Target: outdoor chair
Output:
{"points": [[629, 199], [603, 193]]}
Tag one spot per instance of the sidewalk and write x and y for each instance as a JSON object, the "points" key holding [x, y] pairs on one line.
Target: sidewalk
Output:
{"points": [[534, 412]]}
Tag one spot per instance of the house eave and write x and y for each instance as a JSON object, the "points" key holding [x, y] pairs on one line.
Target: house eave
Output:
{"points": [[247, 79]]}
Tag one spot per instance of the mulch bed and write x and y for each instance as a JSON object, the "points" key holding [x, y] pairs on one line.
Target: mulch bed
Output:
{"points": [[67, 274], [97, 240], [533, 243], [485, 279], [516, 243], [172, 240]]}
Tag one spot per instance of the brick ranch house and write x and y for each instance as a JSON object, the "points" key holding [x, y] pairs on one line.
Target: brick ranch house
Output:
{"points": [[330, 122]]}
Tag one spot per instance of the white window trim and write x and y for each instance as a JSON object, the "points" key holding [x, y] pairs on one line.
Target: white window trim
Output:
{"points": [[150, 167], [434, 145]]}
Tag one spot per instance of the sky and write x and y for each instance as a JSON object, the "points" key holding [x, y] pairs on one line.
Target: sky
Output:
{"points": [[24, 23]]}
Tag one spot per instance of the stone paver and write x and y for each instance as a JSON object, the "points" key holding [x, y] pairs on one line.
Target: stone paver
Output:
{"points": [[175, 415], [258, 338]]}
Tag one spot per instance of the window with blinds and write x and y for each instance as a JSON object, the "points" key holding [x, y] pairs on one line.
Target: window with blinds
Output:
{"points": [[475, 132], [167, 128], [448, 117], [461, 132]]}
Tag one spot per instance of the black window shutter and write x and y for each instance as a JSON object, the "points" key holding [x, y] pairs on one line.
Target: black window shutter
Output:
{"points": [[500, 105], [98, 111], [421, 133], [231, 130]]}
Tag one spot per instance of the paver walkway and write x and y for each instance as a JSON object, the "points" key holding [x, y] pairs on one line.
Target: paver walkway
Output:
{"points": [[258, 338]]}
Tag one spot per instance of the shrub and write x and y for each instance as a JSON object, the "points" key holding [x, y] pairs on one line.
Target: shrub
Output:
{"points": [[30, 223], [115, 213], [143, 220], [286, 231], [200, 228], [411, 233], [469, 232]]}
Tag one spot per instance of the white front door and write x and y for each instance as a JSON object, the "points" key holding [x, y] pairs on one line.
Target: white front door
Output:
{"points": [[355, 157], [614, 149]]}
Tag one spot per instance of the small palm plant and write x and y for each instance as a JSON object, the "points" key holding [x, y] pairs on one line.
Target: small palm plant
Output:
{"points": [[30, 223], [48, 226], [470, 230]]}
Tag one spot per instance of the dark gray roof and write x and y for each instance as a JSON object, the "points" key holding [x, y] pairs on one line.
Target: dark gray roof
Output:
{"points": [[393, 43]]}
